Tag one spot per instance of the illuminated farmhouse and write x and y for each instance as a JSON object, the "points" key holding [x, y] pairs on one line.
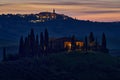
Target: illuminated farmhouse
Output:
{"points": [[65, 43], [32, 46]]}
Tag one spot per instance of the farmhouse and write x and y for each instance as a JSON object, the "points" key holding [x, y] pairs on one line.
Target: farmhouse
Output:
{"points": [[65, 43]]}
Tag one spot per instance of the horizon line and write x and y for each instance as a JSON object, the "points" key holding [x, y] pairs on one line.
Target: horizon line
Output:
{"points": [[57, 13]]}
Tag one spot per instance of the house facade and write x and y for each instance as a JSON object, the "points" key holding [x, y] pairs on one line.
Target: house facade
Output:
{"points": [[64, 43]]}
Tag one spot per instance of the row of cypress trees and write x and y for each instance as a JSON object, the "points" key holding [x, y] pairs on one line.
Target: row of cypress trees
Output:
{"points": [[91, 44], [34, 45]]}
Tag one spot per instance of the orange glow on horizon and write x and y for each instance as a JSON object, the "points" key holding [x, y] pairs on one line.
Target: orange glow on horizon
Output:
{"points": [[100, 17]]}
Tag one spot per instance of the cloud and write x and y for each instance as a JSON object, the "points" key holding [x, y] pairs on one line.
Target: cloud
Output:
{"points": [[5, 4], [100, 12], [88, 4]]}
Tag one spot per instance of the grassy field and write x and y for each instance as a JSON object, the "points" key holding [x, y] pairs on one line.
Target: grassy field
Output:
{"points": [[63, 66]]}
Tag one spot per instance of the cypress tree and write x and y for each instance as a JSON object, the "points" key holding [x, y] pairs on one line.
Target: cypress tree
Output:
{"points": [[32, 42], [27, 46], [86, 43], [46, 39], [96, 45], [37, 45], [91, 37], [103, 45], [41, 42], [73, 42], [103, 41], [21, 47], [91, 41]]}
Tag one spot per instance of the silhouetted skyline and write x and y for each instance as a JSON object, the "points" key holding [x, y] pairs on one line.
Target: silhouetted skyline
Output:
{"points": [[95, 10]]}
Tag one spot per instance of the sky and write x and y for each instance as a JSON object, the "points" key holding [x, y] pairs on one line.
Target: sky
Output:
{"points": [[94, 10]]}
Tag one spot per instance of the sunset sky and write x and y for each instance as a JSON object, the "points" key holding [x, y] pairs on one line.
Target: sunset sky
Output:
{"points": [[95, 10]]}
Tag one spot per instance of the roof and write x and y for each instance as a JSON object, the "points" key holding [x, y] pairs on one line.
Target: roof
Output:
{"points": [[64, 39]]}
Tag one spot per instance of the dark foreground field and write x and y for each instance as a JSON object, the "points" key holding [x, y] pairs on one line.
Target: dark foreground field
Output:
{"points": [[63, 66]]}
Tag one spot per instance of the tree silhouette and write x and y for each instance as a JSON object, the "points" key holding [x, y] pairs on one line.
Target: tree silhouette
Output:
{"points": [[96, 44], [4, 54], [37, 45], [103, 45], [46, 39], [21, 47], [91, 37], [73, 42], [32, 42], [41, 42], [27, 46], [103, 41], [86, 43], [91, 41]]}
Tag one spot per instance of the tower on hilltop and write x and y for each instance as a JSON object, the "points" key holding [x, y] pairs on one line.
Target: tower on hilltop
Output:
{"points": [[53, 10]]}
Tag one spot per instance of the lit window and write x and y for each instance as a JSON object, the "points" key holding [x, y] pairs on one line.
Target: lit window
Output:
{"points": [[67, 45], [81, 44]]}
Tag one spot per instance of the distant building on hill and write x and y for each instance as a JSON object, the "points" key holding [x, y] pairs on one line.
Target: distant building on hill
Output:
{"points": [[47, 16]]}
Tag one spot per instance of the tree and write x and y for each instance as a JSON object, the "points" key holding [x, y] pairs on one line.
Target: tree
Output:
{"points": [[91, 41], [41, 42], [103, 45], [4, 54], [32, 42], [91, 37], [46, 39], [96, 45], [27, 46], [86, 43], [36, 45], [73, 42], [21, 47], [103, 41]]}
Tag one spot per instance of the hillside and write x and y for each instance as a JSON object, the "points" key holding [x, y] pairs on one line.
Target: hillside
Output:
{"points": [[59, 25], [63, 66]]}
